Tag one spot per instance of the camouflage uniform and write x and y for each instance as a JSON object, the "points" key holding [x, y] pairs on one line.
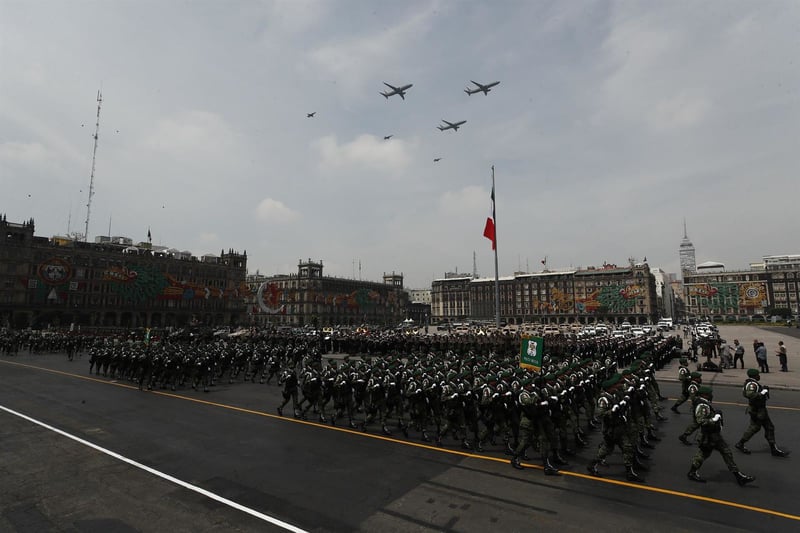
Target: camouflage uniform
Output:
{"points": [[757, 396]]}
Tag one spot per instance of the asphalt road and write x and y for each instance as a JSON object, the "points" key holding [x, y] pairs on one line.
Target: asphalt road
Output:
{"points": [[257, 467]]}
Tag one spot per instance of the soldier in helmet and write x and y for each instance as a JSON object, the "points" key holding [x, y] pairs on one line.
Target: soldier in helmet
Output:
{"points": [[694, 386], [684, 376], [533, 408], [613, 411], [710, 421], [289, 381], [757, 396]]}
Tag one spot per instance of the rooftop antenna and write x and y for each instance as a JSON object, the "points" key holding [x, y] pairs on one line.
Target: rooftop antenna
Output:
{"points": [[91, 177], [474, 265]]}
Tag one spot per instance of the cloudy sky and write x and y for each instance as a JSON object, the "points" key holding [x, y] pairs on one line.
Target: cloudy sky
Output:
{"points": [[612, 123]]}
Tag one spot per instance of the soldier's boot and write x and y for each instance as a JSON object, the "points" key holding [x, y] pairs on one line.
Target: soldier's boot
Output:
{"points": [[638, 465], [660, 417], [580, 441], [516, 463], [742, 479], [280, 411], [425, 436], [684, 440], [385, 430], [592, 468], [644, 443], [639, 453], [777, 452], [674, 409], [549, 469], [631, 475], [439, 440], [594, 423], [742, 448], [651, 434], [695, 476], [465, 444], [509, 448], [558, 460], [479, 446], [603, 462], [404, 429], [352, 424], [322, 418]]}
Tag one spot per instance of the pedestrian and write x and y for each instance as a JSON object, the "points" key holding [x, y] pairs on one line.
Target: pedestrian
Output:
{"points": [[710, 422], [781, 353], [725, 354], [761, 357], [738, 353], [757, 396]]}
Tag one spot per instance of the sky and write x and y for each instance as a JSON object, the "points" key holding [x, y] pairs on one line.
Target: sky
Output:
{"points": [[612, 124]]}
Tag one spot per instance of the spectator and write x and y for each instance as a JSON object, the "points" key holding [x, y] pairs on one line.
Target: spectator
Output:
{"points": [[761, 357], [738, 353], [781, 353]]}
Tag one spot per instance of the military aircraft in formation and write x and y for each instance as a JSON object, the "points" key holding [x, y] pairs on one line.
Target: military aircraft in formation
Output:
{"points": [[311, 115], [451, 125], [396, 90], [481, 88]]}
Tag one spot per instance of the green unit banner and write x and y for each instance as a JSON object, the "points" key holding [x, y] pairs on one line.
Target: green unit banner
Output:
{"points": [[530, 353]]}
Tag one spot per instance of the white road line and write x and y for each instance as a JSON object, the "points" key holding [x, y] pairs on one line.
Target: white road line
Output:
{"points": [[229, 503]]}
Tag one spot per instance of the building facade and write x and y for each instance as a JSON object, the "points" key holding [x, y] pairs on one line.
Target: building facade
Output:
{"points": [[769, 287], [308, 298], [65, 283], [607, 294]]}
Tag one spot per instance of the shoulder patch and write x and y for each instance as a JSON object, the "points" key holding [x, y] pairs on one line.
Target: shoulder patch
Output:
{"points": [[751, 387], [602, 402], [702, 410]]}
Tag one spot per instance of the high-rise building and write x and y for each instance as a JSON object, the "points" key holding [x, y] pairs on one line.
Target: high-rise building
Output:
{"points": [[686, 252]]}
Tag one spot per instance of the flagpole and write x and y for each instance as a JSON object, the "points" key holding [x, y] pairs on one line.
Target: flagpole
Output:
{"points": [[496, 271]]}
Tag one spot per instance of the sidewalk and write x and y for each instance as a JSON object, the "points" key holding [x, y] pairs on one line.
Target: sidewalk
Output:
{"points": [[735, 377]]}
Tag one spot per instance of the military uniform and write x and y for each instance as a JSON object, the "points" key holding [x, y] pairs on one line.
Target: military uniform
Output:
{"points": [[685, 377], [757, 396], [710, 422]]}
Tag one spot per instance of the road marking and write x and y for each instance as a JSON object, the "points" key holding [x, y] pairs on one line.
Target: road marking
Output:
{"points": [[171, 479], [740, 404], [568, 473]]}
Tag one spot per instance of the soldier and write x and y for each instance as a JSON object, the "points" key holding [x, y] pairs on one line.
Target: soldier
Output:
{"points": [[613, 410], [710, 421], [694, 386], [533, 408], [289, 381], [684, 376], [757, 396]]}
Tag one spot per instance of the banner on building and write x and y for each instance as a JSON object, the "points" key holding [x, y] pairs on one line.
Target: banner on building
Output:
{"points": [[530, 353]]}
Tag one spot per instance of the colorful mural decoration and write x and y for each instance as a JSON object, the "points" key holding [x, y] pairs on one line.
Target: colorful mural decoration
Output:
{"points": [[620, 298], [269, 298], [753, 295], [54, 271], [716, 297], [135, 285], [590, 304]]}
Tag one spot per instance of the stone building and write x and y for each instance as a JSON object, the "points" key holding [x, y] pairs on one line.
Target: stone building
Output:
{"points": [[65, 283], [308, 298]]}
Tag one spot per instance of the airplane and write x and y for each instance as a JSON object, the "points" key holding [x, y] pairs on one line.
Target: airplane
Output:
{"points": [[387, 137], [451, 125], [481, 88], [396, 90], [437, 159], [311, 115]]}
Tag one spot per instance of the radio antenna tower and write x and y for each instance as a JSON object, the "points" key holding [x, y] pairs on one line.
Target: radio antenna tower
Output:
{"points": [[91, 177]]}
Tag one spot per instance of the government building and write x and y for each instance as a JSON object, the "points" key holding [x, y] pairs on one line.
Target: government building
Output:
{"points": [[112, 283], [608, 294], [310, 299]]}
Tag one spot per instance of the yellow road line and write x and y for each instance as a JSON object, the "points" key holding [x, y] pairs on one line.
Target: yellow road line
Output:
{"points": [[740, 404], [430, 447]]}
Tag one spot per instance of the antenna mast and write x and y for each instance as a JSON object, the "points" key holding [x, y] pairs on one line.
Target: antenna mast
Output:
{"points": [[91, 177]]}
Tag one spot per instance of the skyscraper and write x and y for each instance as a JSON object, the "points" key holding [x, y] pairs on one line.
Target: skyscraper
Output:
{"points": [[686, 252]]}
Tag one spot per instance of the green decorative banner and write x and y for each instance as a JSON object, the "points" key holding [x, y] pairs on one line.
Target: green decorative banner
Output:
{"points": [[530, 353]]}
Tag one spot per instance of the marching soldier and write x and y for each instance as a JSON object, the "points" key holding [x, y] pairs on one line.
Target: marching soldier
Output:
{"points": [[685, 377], [710, 422], [694, 386], [289, 381], [757, 396]]}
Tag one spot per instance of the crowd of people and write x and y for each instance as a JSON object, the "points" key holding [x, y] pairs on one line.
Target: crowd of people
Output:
{"points": [[460, 390]]}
